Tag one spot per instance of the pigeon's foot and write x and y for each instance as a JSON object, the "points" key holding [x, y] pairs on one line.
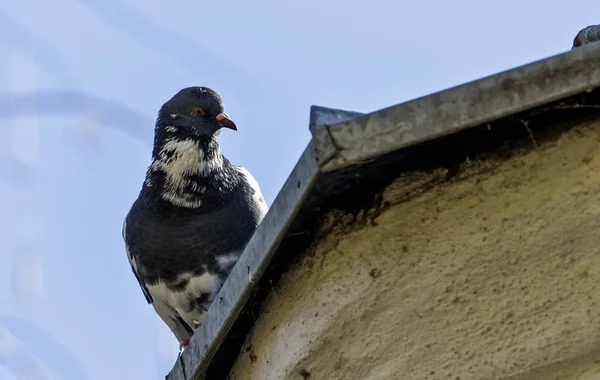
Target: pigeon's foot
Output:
{"points": [[185, 342]]}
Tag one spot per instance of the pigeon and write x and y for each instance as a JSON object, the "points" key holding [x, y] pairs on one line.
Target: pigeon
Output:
{"points": [[194, 214], [586, 35]]}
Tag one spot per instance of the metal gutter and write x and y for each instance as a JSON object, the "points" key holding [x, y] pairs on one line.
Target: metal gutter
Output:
{"points": [[349, 149], [460, 107]]}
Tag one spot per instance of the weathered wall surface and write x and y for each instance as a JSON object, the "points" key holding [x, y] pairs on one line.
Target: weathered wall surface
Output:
{"points": [[494, 274]]}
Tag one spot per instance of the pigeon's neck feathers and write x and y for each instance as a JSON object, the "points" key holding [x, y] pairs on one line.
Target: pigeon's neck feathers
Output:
{"points": [[184, 156], [186, 171]]}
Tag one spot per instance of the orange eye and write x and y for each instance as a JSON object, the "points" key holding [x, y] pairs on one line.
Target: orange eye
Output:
{"points": [[198, 111]]}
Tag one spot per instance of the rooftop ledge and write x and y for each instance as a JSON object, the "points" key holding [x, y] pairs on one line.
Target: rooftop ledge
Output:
{"points": [[352, 156]]}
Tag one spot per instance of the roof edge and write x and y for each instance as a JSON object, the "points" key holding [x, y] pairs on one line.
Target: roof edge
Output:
{"points": [[476, 102], [344, 138]]}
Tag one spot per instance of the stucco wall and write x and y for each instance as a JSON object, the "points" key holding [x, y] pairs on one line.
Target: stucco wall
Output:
{"points": [[494, 274]]}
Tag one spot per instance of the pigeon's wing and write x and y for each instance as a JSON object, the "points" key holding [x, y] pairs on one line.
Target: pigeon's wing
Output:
{"points": [[134, 266], [180, 329], [255, 189]]}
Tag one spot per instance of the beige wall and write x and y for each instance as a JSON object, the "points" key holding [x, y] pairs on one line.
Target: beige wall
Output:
{"points": [[495, 274]]}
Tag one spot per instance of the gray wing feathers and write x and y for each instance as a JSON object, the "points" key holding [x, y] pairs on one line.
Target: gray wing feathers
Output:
{"points": [[253, 184], [179, 328], [134, 266]]}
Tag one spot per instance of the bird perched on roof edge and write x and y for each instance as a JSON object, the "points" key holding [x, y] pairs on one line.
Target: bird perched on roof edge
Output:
{"points": [[586, 35], [194, 214]]}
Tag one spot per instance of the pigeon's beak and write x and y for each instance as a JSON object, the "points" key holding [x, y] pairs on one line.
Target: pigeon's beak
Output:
{"points": [[226, 121]]}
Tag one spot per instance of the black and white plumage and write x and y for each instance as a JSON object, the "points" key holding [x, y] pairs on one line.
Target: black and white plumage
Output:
{"points": [[194, 215]]}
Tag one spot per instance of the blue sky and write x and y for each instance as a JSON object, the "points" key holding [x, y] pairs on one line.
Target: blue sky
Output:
{"points": [[81, 82]]}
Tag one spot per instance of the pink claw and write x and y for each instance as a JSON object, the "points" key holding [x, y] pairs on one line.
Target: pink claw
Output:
{"points": [[185, 342]]}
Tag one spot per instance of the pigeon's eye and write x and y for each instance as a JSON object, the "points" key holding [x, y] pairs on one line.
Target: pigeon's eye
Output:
{"points": [[198, 111]]}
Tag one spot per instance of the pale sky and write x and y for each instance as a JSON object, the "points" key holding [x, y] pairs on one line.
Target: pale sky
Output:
{"points": [[81, 82]]}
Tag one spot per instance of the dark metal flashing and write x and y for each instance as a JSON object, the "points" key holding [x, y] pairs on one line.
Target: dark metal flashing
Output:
{"points": [[353, 156], [320, 120], [464, 106]]}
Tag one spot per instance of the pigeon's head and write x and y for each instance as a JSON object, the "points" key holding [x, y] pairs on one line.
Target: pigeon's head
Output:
{"points": [[195, 111]]}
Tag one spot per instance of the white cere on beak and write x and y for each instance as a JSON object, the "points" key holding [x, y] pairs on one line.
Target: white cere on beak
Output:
{"points": [[222, 116], [173, 115]]}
